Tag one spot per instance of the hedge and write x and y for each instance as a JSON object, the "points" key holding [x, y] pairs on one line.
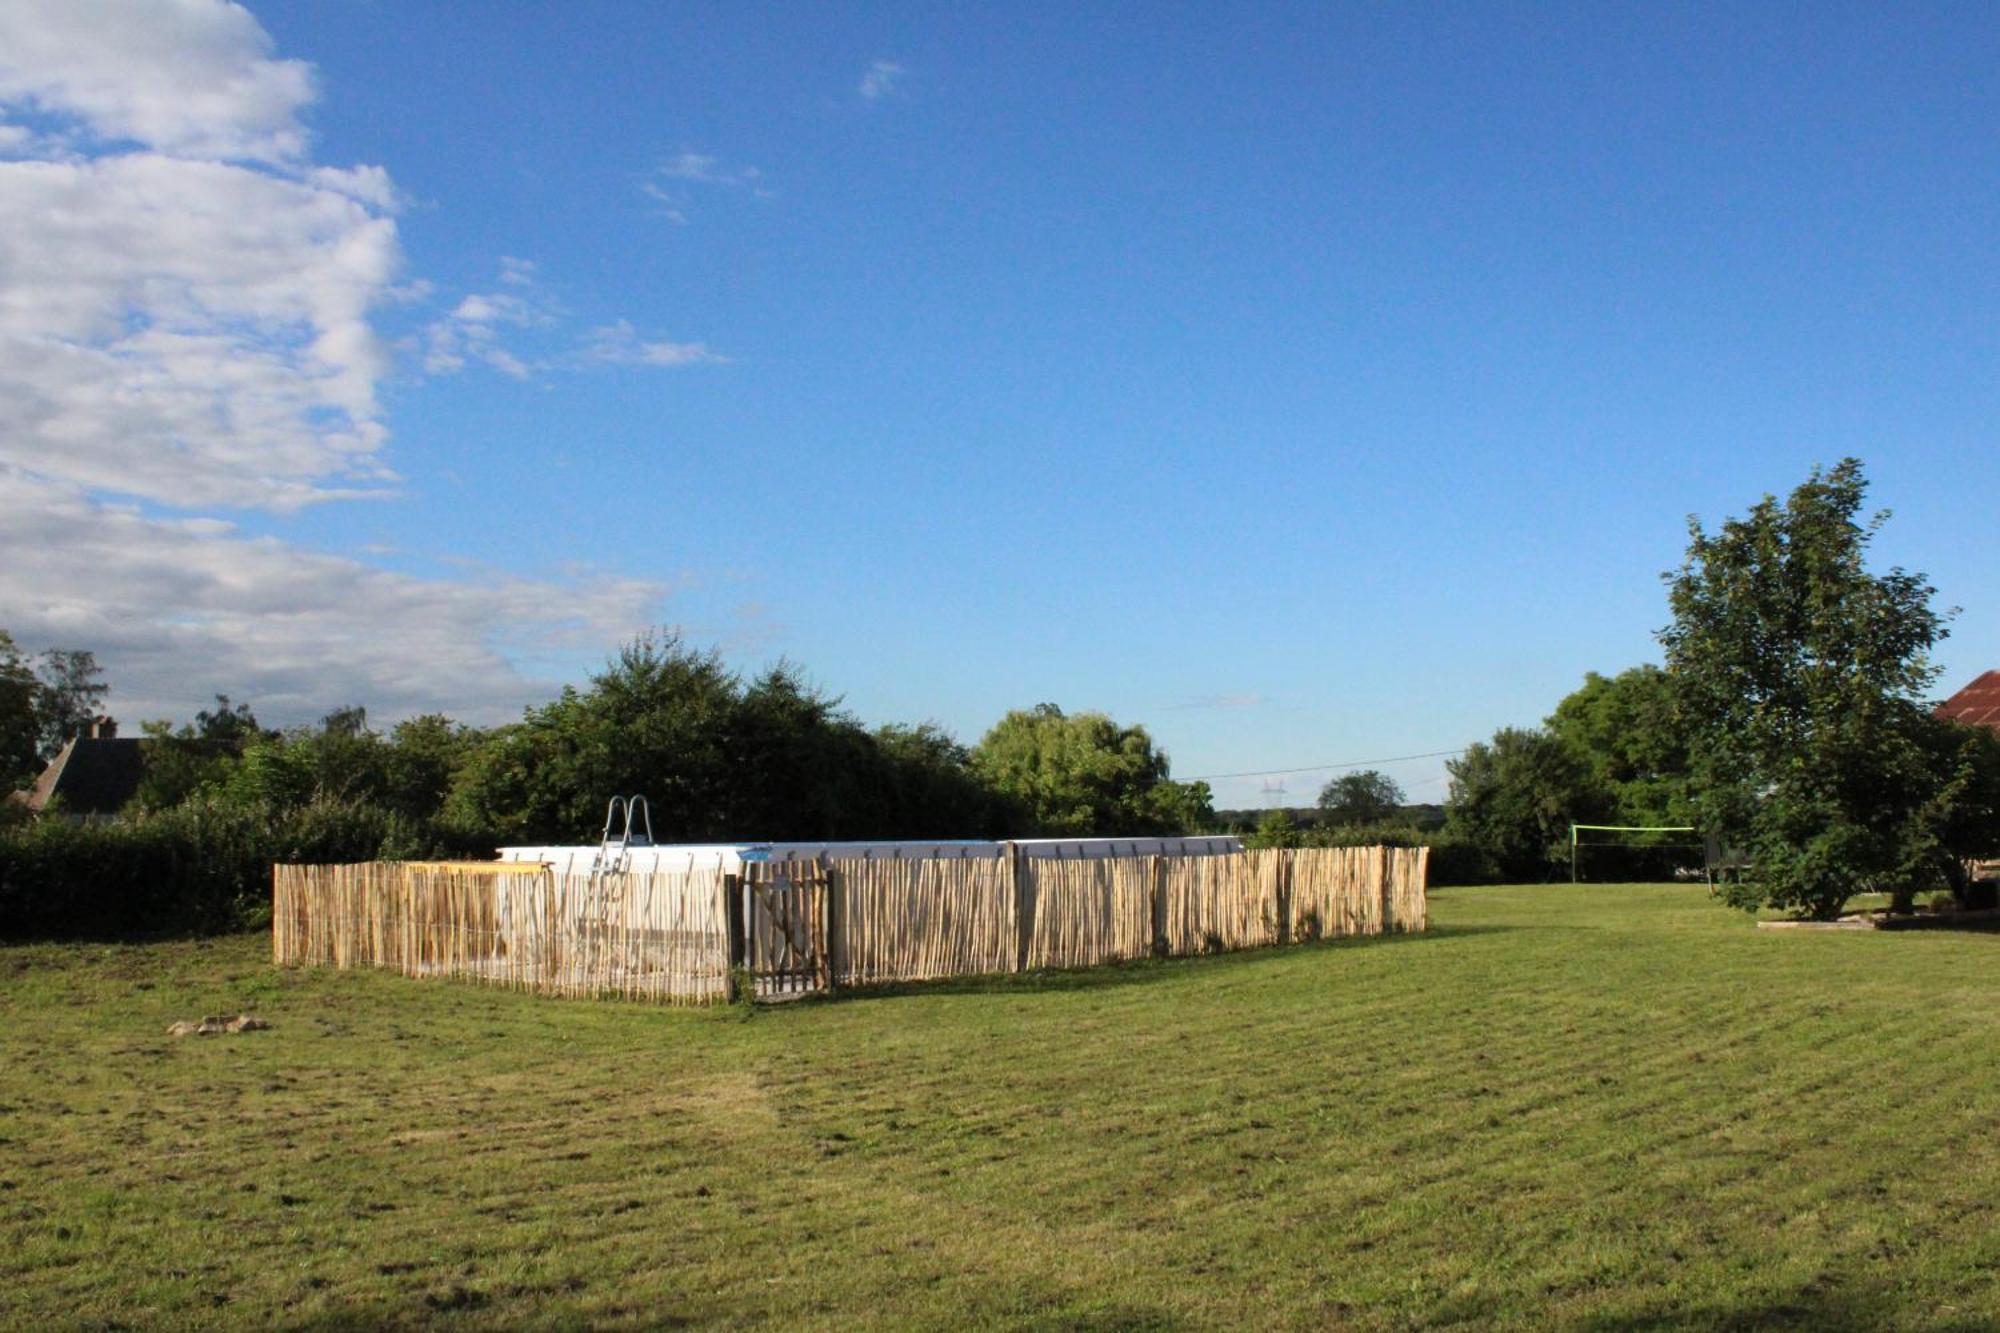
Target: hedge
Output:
{"points": [[200, 867]]}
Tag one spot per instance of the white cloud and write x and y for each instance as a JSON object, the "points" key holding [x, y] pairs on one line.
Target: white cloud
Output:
{"points": [[670, 181], [672, 206], [184, 299], [186, 322], [181, 609], [474, 329], [701, 168], [879, 80], [194, 333], [191, 78], [619, 345], [475, 332]]}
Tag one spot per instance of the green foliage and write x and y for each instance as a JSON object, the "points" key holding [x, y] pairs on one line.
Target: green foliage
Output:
{"points": [[1799, 673], [273, 771], [204, 865], [653, 722], [1367, 797], [717, 759], [422, 758], [177, 766], [201, 866], [1958, 819], [226, 724], [1514, 798], [932, 788], [20, 724], [1627, 732], [1084, 774], [1275, 829], [68, 697]]}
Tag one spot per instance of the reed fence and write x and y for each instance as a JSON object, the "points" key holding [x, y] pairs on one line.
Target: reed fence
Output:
{"points": [[675, 937], [660, 937]]}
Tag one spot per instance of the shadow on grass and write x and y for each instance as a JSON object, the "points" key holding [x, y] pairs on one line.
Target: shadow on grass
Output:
{"points": [[1139, 971], [1825, 1304], [1985, 922]]}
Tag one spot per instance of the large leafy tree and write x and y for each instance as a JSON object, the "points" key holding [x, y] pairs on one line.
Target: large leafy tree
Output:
{"points": [[1799, 674], [1626, 730], [1515, 796], [68, 697], [655, 721], [1082, 773], [932, 789], [20, 725], [717, 759], [1367, 797]]}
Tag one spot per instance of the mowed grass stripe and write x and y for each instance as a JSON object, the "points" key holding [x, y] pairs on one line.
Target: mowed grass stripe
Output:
{"points": [[1584, 1107]]}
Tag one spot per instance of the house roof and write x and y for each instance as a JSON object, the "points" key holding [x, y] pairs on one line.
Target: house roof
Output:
{"points": [[91, 776], [1977, 704]]}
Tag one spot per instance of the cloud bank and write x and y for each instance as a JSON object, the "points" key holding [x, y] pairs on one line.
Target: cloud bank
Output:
{"points": [[186, 327]]}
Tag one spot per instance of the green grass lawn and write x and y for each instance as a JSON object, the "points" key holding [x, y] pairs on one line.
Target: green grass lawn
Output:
{"points": [[1604, 1107]]}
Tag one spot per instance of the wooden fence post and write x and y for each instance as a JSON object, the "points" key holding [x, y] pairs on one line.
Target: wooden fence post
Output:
{"points": [[833, 948], [1157, 882], [1284, 894], [1023, 886], [732, 895], [1386, 886]]}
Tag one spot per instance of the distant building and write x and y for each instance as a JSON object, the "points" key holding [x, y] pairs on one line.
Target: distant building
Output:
{"points": [[98, 773], [94, 776], [1978, 704]]}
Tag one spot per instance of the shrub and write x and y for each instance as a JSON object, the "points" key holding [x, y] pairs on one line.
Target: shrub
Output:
{"points": [[198, 867]]}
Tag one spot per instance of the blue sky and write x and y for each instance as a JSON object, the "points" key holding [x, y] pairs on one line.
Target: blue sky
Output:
{"points": [[1307, 385]]}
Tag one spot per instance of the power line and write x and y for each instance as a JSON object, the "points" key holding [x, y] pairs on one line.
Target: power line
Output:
{"points": [[1323, 768]]}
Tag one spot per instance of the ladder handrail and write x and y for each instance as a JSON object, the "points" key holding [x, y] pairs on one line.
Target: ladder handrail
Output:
{"points": [[612, 851]]}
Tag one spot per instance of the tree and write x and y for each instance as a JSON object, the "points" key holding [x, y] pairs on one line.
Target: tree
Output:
{"points": [[20, 725], [1274, 829], [1798, 674], [1514, 798], [1627, 732], [654, 722], [1367, 797], [1084, 774], [420, 762], [226, 724], [933, 790], [67, 698], [1960, 819]]}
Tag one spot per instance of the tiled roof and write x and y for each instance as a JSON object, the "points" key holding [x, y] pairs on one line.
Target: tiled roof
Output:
{"points": [[91, 776], [1978, 703]]}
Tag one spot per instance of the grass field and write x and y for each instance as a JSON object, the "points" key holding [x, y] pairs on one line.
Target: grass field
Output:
{"points": [[1605, 1107]]}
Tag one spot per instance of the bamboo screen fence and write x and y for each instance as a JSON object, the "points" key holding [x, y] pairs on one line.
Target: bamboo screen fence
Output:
{"points": [[674, 936], [660, 937]]}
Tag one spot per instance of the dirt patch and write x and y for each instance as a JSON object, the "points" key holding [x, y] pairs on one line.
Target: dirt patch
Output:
{"points": [[216, 1025]]}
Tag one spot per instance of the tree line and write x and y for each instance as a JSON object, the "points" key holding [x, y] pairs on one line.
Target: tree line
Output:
{"points": [[1787, 726], [719, 757]]}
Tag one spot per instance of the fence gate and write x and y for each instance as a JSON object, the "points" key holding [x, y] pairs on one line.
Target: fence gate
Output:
{"points": [[778, 924]]}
